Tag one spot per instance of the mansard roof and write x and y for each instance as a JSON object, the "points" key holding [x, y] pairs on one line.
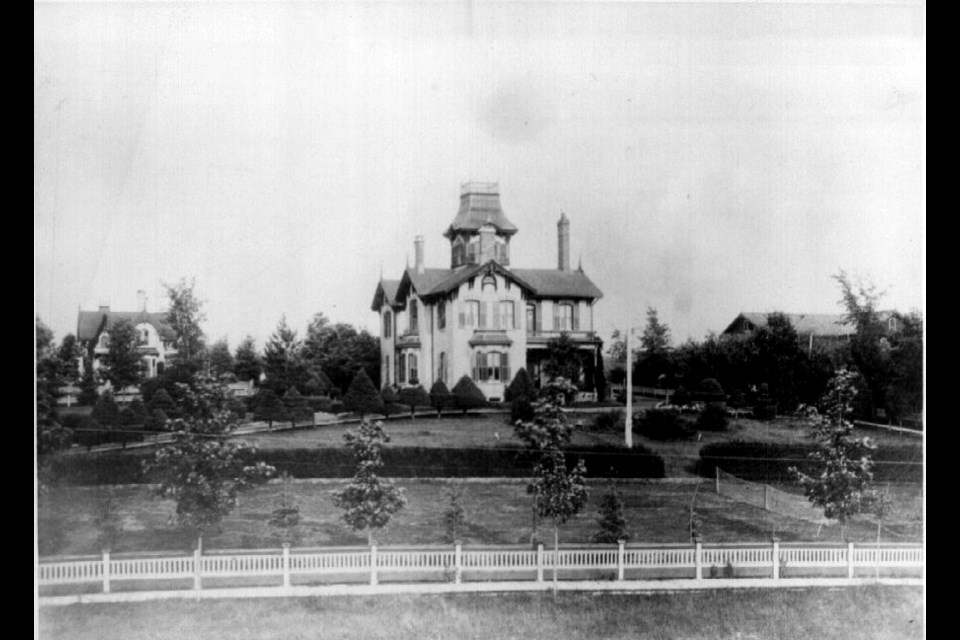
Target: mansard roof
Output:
{"points": [[91, 323], [479, 206]]}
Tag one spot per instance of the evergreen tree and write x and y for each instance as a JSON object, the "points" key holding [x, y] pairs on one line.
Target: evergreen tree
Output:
{"points": [[270, 408], [162, 401], [414, 397], [522, 387], [362, 396], [454, 516], [247, 364], [466, 395], [220, 358], [283, 360], [613, 525], [389, 397], [122, 365], [440, 397], [296, 406]]}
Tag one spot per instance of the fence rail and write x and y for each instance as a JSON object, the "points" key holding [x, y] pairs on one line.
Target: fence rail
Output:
{"points": [[621, 562]]}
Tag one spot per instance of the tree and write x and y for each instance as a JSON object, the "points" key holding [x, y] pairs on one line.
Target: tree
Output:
{"points": [[339, 350], [454, 516], [559, 493], [220, 358], [842, 487], [362, 396], [247, 364], [106, 411], [202, 471], [52, 436], [185, 316], [656, 335], [286, 517], [440, 397], [414, 397], [369, 501], [270, 408], [162, 401], [157, 421], [778, 360], [122, 365], [864, 348], [88, 385], [548, 430], [296, 405], [613, 525], [389, 397], [69, 355], [283, 360], [466, 395]]}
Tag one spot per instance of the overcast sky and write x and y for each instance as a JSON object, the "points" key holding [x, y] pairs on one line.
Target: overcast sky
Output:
{"points": [[711, 158]]}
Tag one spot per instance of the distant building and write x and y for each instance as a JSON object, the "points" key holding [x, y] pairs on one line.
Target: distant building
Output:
{"points": [[155, 336], [824, 329], [480, 317]]}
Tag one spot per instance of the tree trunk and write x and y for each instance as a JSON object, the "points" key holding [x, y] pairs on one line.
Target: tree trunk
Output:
{"points": [[556, 556]]}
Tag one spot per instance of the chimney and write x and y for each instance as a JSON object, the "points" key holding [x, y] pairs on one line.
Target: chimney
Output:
{"points": [[563, 243], [104, 307], [141, 300], [418, 244]]}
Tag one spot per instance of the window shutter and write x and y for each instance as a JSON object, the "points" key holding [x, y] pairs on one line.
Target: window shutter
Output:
{"points": [[496, 315], [538, 319], [402, 373], [556, 317], [576, 316], [483, 314], [505, 367], [461, 320]]}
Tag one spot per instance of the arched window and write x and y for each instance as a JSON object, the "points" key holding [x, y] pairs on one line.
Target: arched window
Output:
{"points": [[472, 252], [414, 319], [402, 368], [458, 251], [489, 281], [531, 318], [414, 372], [104, 340], [507, 318], [387, 324]]}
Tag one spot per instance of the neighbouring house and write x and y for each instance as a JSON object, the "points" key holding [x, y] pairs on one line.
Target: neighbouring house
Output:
{"points": [[155, 336], [481, 317], [240, 389], [823, 329]]}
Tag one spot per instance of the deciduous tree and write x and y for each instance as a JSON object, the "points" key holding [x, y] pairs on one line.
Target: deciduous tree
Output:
{"points": [[185, 316], [122, 364]]}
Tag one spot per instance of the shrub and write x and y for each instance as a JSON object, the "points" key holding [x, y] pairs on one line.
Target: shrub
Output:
{"points": [[389, 397], [522, 387], [711, 391], [681, 396], [608, 421], [414, 397], [162, 400], [521, 409], [362, 396], [88, 432], [319, 403], [296, 406], [337, 407], [270, 408], [713, 417], [138, 411], [466, 395], [765, 411], [106, 411], [157, 421], [662, 424], [440, 397]]}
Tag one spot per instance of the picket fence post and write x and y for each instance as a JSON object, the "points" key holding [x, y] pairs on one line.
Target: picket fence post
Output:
{"points": [[539, 563], [286, 564], [619, 559], [698, 560], [373, 564], [106, 570], [197, 566], [850, 560], [776, 559], [457, 556]]}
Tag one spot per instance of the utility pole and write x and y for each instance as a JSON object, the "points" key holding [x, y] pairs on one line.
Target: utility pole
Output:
{"points": [[628, 423]]}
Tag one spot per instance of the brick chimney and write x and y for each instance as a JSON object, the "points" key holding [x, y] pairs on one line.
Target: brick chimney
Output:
{"points": [[141, 300], [563, 243], [418, 246]]}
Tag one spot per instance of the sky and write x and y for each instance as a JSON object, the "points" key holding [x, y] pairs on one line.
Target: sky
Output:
{"points": [[712, 157]]}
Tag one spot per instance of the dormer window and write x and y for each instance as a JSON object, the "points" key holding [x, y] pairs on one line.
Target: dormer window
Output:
{"points": [[104, 341], [458, 252], [472, 251], [892, 324]]}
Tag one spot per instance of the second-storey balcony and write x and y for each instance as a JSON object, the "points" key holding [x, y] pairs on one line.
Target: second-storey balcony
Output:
{"points": [[579, 337], [408, 339]]}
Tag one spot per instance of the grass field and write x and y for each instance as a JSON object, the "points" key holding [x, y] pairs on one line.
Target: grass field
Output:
{"points": [[497, 512], [875, 613]]}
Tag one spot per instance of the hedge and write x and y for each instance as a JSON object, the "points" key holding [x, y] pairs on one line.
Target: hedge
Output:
{"points": [[770, 462], [399, 462]]}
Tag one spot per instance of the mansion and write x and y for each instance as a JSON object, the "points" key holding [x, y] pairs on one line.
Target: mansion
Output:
{"points": [[480, 317]]}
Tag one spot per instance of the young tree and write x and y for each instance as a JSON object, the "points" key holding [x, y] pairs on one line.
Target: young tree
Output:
{"points": [[122, 365], [865, 348], [842, 487], [559, 493], [162, 401], [296, 405], [247, 364], [613, 525], [220, 358], [414, 397], [389, 397], [454, 516], [202, 471], [369, 501], [106, 411], [440, 397], [466, 395], [89, 386], [522, 387], [185, 316], [362, 396], [286, 517]]}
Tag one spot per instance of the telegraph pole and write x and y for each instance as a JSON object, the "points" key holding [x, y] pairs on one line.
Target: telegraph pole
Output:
{"points": [[628, 423]]}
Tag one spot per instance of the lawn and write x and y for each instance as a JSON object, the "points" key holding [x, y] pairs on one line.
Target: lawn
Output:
{"points": [[497, 512], [875, 613]]}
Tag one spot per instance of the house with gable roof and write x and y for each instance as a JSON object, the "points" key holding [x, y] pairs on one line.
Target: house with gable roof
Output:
{"points": [[481, 317], [155, 337]]}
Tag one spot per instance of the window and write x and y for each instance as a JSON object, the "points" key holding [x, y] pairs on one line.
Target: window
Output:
{"points": [[386, 370], [472, 252], [507, 319], [442, 369], [458, 252], [892, 324], [402, 368], [491, 367], [489, 281], [471, 311], [500, 252], [387, 324], [563, 318], [414, 320], [442, 314], [412, 363], [531, 318], [104, 340], [144, 336]]}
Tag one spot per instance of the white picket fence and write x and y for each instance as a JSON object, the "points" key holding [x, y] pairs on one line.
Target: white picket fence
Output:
{"points": [[457, 564]]}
